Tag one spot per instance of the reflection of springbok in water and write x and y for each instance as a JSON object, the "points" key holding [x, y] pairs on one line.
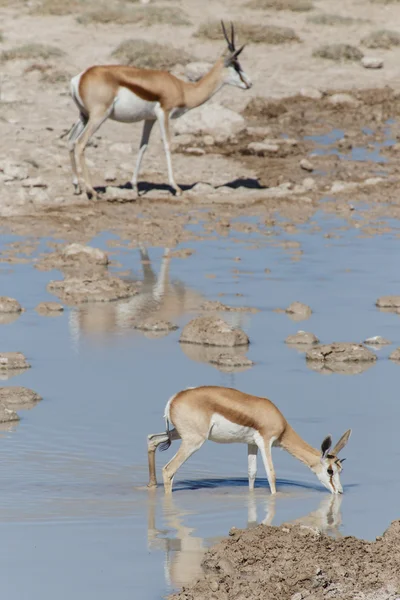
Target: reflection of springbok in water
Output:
{"points": [[158, 297], [184, 552]]}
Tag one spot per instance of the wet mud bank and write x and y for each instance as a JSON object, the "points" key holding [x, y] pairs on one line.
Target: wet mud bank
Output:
{"points": [[295, 562]]}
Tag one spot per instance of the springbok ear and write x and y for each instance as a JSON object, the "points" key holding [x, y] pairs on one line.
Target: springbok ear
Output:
{"points": [[232, 57], [326, 444], [342, 442], [237, 52]]}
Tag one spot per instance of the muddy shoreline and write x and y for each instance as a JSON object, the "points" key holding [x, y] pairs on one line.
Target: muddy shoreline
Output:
{"points": [[298, 561]]}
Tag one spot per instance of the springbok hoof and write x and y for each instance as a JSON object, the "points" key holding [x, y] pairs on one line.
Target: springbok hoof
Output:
{"points": [[92, 194]]}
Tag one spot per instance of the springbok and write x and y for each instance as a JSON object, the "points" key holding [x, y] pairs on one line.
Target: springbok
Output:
{"points": [[226, 415], [130, 94]]}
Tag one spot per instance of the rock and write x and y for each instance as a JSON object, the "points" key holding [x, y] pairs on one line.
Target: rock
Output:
{"points": [[342, 99], [154, 324], [213, 119], [196, 70], [9, 305], [395, 355], [309, 184], [7, 415], [79, 252], [390, 302], [18, 397], [369, 62], [302, 338], [13, 171], [377, 340], [212, 331], [343, 186], [306, 165], [202, 189], [195, 151], [260, 148], [32, 182], [208, 140], [116, 194], [340, 352], [49, 309], [74, 290], [110, 175], [229, 362], [299, 311], [311, 93], [13, 360]]}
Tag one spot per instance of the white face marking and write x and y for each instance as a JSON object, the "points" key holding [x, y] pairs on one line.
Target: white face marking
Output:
{"points": [[223, 431], [241, 81], [330, 481], [130, 108]]}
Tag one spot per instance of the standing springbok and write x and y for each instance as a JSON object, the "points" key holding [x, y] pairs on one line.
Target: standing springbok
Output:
{"points": [[226, 415], [131, 94]]}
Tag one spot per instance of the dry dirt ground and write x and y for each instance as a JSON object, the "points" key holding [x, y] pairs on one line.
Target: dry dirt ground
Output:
{"points": [[268, 169]]}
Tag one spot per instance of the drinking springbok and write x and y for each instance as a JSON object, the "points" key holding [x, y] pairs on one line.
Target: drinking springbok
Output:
{"points": [[226, 415], [131, 94]]}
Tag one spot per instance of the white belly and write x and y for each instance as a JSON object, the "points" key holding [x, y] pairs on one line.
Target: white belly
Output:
{"points": [[129, 108], [226, 432]]}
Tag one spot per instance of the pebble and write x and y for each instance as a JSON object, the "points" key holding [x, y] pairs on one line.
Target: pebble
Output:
{"points": [[260, 147], [208, 140], [195, 151], [309, 184], [306, 165], [311, 93], [343, 99], [370, 62]]}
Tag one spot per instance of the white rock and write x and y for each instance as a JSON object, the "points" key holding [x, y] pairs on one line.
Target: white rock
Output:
{"points": [[94, 254], [261, 147], [13, 171], [373, 180], [370, 62], [212, 119], [341, 186], [196, 70], [208, 140], [343, 99], [309, 183], [195, 151], [306, 165], [115, 193], [310, 92]]}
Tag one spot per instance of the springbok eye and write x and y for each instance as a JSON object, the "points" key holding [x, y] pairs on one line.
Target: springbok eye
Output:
{"points": [[330, 471]]}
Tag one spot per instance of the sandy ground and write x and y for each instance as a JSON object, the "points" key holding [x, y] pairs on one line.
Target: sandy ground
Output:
{"points": [[233, 179]]}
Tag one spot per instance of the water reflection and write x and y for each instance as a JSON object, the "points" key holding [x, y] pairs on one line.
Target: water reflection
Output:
{"points": [[184, 550], [164, 300], [159, 297]]}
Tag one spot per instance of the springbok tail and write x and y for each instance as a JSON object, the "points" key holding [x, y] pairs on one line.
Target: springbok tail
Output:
{"points": [[165, 445]]}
